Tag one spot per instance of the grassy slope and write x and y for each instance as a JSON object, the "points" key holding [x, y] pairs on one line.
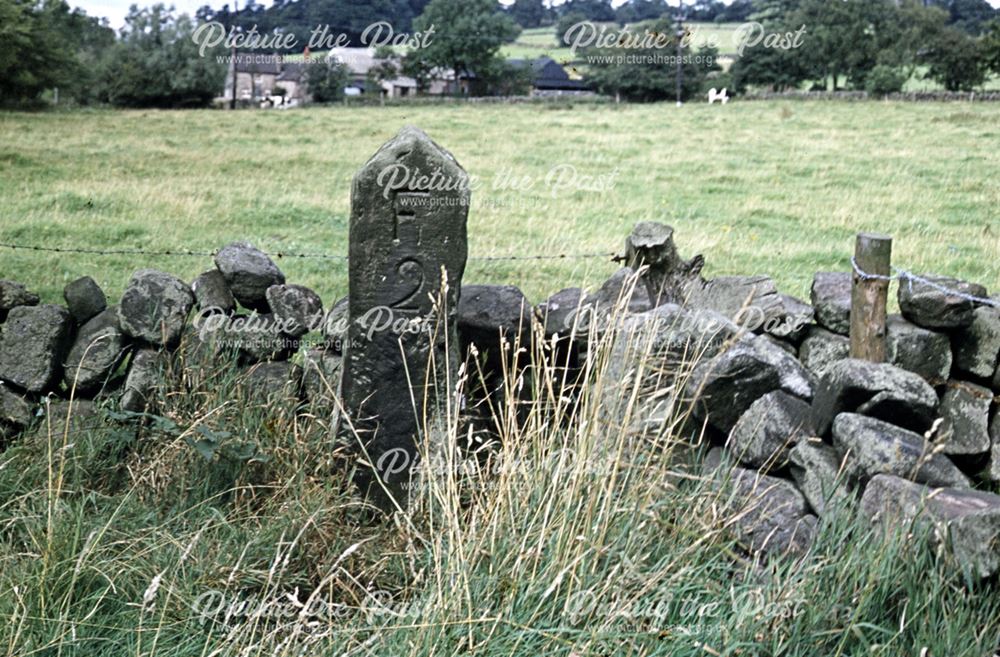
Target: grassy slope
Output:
{"points": [[537, 42], [775, 187]]}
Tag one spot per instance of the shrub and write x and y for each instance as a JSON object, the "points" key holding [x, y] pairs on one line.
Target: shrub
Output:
{"points": [[327, 81], [884, 80]]}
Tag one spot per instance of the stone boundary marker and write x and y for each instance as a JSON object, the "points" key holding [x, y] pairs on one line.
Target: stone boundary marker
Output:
{"points": [[408, 247]]}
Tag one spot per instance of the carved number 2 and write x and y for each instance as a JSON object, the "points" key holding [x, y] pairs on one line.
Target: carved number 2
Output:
{"points": [[411, 280]]}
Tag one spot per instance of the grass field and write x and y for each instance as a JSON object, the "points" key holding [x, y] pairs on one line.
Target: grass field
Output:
{"points": [[778, 188], [125, 539], [537, 42]]}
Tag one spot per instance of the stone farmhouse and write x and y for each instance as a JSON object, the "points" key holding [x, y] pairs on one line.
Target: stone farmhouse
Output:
{"points": [[275, 80]]}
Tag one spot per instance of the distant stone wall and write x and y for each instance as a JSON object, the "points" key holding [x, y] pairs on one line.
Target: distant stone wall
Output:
{"points": [[911, 96], [800, 425]]}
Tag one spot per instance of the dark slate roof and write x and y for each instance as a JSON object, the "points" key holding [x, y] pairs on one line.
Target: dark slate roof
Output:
{"points": [[548, 74]]}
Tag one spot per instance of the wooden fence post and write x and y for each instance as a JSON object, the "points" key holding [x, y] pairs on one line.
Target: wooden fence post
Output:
{"points": [[872, 254]]}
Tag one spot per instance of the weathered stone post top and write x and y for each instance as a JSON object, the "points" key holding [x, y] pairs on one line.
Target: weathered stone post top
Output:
{"points": [[409, 204]]}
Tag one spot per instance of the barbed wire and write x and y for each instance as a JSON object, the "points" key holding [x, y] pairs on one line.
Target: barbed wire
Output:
{"points": [[908, 276], [276, 254]]}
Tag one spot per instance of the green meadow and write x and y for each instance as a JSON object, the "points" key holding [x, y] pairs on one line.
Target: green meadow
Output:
{"points": [[764, 187]]}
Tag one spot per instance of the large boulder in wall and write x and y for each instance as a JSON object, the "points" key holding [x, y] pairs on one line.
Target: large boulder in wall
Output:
{"points": [[297, 308], [918, 350], [658, 350], [494, 321], [143, 377], [751, 302], [559, 313], [766, 433], [977, 346], [965, 411], [965, 522], [15, 409], [876, 447], [822, 348], [490, 314], [33, 343], [98, 349], [154, 307], [84, 298], [622, 289], [819, 472], [248, 272], [13, 294], [831, 299], [770, 516], [880, 390], [725, 386], [930, 306], [212, 294]]}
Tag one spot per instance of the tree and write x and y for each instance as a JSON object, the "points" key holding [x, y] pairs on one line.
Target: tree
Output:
{"points": [[528, 13], [775, 69], [502, 78], [650, 73], [156, 63], [990, 47], [844, 37], [772, 12], [386, 69], [704, 11], [955, 61], [300, 17], [326, 81], [635, 11], [26, 67], [737, 11], [565, 23], [418, 69], [884, 80], [599, 11], [970, 16], [915, 26], [47, 45], [471, 43]]}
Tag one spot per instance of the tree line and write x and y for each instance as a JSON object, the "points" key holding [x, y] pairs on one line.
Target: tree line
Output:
{"points": [[153, 61], [873, 45], [49, 52]]}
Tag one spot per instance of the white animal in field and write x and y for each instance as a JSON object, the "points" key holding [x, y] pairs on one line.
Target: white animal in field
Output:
{"points": [[714, 95]]}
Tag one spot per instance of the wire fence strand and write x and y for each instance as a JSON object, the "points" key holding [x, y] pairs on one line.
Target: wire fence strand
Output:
{"points": [[900, 275], [910, 278], [278, 254]]}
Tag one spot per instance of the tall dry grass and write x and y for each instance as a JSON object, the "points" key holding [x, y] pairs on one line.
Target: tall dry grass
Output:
{"points": [[583, 527]]}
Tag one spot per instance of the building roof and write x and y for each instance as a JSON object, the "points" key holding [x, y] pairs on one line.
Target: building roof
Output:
{"points": [[548, 74], [259, 63], [359, 61], [292, 72]]}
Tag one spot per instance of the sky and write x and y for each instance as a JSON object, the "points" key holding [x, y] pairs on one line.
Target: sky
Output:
{"points": [[115, 10]]}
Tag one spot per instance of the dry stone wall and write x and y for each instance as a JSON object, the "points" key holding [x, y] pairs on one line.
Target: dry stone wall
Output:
{"points": [[796, 426]]}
